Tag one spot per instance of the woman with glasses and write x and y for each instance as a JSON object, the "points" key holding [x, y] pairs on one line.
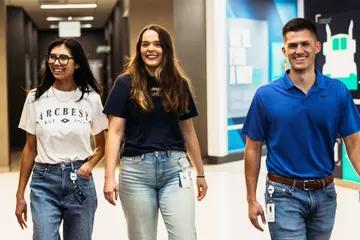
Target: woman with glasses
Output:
{"points": [[59, 117], [151, 108]]}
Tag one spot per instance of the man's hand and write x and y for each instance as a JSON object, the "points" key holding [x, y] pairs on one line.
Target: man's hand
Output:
{"points": [[255, 210]]}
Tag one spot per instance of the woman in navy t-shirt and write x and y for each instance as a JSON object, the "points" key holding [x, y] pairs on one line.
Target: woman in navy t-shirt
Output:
{"points": [[150, 111]]}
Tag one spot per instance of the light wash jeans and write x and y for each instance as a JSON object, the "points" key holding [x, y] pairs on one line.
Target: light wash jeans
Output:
{"points": [[150, 182], [301, 214], [52, 200]]}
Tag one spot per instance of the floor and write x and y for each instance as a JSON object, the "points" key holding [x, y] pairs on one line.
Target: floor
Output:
{"points": [[222, 215]]}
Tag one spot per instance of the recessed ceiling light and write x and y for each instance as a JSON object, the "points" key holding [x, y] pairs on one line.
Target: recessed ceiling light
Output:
{"points": [[67, 6]]}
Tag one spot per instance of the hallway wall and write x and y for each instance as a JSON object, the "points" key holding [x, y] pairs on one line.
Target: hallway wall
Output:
{"points": [[190, 44], [22, 64], [147, 12], [4, 126]]}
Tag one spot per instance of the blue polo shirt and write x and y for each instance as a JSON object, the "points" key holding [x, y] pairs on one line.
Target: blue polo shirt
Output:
{"points": [[300, 130]]}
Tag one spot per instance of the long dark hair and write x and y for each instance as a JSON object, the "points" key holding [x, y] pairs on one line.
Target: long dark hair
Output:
{"points": [[83, 76], [168, 74]]}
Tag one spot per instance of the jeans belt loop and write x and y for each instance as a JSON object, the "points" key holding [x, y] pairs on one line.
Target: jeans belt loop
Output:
{"points": [[293, 185], [72, 167], [168, 153], [323, 183]]}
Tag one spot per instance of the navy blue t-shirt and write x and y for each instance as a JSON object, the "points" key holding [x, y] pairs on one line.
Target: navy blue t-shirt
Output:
{"points": [[300, 130], [146, 132]]}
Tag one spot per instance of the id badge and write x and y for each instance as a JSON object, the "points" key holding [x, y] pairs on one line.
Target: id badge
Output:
{"points": [[270, 212], [185, 179], [73, 176], [79, 195]]}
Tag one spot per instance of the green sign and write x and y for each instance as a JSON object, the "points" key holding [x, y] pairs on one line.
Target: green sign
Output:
{"points": [[103, 49]]}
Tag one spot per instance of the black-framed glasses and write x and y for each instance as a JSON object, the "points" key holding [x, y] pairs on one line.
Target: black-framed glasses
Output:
{"points": [[63, 59]]}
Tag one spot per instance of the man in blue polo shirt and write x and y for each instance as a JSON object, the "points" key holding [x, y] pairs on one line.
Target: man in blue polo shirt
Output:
{"points": [[299, 117]]}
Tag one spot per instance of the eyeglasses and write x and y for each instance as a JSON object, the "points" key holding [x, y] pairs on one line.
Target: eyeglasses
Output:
{"points": [[63, 59]]}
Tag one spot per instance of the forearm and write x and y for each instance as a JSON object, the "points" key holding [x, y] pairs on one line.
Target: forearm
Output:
{"points": [[193, 151], [252, 170], [354, 156], [98, 155], [27, 164], [112, 150]]}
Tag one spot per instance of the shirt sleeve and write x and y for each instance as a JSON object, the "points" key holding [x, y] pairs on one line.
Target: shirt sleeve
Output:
{"points": [[255, 121], [117, 103], [100, 121], [349, 121], [28, 115], [192, 110]]}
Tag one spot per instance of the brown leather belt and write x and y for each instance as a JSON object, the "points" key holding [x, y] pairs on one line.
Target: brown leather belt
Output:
{"points": [[315, 184]]}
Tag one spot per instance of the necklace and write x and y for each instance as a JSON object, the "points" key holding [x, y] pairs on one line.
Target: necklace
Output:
{"points": [[62, 100]]}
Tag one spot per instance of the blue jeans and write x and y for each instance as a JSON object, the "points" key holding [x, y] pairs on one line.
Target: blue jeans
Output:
{"points": [[302, 214], [52, 200], [150, 182]]}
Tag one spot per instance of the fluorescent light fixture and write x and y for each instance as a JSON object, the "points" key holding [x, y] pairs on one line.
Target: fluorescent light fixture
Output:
{"points": [[55, 26], [86, 25], [50, 19], [67, 6], [86, 18], [54, 19]]}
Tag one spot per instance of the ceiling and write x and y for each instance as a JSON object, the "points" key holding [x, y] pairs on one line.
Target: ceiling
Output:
{"points": [[38, 15]]}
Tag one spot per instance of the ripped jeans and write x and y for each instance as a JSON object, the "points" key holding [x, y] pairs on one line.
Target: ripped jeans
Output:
{"points": [[150, 182]]}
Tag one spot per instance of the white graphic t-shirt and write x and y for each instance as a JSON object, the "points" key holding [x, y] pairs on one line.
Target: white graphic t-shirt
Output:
{"points": [[62, 124]]}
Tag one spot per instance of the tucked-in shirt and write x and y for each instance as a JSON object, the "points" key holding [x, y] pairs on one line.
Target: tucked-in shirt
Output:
{"points": [[300, 130], [146, 132], [63, 125]]}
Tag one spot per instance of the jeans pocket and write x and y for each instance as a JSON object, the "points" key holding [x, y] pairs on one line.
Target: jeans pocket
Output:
{"points": [[184, 163], [39, 172], [177, 154], [134, 160], [331, 192], [82, 177]]}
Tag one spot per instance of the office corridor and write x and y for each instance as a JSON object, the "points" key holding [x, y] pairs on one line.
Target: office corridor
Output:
{"points": [[222, 215]]}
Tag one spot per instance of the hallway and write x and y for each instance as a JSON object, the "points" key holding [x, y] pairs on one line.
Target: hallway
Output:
{"points": [[222, 215]]}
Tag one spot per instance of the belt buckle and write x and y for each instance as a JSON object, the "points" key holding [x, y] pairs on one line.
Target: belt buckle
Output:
{"points": [[305, 182]]}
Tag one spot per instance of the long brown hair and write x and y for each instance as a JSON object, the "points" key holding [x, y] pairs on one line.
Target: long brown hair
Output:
{"points": [[169, 76]]}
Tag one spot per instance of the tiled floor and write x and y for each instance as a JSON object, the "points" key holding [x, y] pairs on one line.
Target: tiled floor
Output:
{"points": [[221, 216]]}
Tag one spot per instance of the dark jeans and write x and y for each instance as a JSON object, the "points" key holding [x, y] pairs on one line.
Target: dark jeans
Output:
{"points": [[302, 214], [52, 201]]}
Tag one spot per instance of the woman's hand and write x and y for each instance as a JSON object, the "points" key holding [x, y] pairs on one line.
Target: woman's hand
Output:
{"points": [[21, 212], [202, 188], [85, 170], [111, 188]]}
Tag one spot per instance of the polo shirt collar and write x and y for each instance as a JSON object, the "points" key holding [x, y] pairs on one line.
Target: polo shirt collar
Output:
{"points": [[320, 81]]}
